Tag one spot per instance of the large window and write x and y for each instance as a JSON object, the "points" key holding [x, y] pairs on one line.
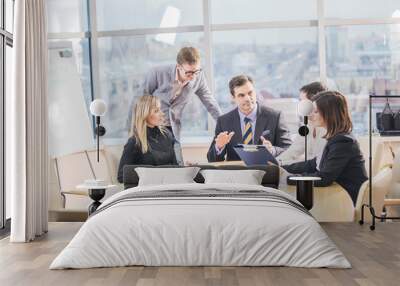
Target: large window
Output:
{"points": [[138, 14], [6, 42], [351, 46], [279, 60], [67, 16], [238, 11], [363, 60], [361, 9], [123, 63]]}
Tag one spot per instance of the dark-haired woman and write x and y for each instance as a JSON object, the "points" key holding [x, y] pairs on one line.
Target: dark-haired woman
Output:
{"points": [[341, 160]]}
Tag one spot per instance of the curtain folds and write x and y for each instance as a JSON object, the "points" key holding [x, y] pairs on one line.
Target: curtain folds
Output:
{"points": [[28, 142]]}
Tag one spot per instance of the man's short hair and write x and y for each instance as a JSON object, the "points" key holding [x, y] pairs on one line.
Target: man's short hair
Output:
{"points": [[188, 55], [313, 88], [239, 80]]}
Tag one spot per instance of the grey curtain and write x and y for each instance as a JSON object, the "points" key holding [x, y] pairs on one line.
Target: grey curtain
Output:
{"points": [[28, 116]]}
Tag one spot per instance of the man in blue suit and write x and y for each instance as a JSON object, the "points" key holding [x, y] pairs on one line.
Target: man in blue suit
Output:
{"points": [[248, 123]]}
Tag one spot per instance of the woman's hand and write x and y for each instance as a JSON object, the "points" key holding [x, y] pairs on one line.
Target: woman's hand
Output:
{"points": [[282, 171]]}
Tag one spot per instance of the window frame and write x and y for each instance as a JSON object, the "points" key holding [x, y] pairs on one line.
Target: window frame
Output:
{"points": [[6, 39]]}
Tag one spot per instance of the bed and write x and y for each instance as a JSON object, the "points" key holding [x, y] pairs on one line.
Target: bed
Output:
{"points": [[201, 224]]}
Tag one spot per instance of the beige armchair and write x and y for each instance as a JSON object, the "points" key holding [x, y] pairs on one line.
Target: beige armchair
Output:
{"points": [[380, 188], [392, 200], [333, 203], [72, 170]]}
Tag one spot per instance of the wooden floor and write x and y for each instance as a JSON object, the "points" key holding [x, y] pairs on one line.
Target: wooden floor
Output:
{"points": [[375, 257]]}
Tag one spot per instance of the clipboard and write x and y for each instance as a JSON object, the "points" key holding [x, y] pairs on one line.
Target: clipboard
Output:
{"points": [[254, 154]]}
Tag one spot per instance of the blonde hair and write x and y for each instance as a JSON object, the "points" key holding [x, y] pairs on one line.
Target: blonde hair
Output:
{"points": [[142, 110]]}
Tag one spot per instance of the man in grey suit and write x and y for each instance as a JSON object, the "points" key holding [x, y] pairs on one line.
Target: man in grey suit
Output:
{"points": [[175, 85], [249, 123]]}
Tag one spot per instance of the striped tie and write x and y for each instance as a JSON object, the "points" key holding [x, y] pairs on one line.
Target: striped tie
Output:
{"points": [[248, 132]]}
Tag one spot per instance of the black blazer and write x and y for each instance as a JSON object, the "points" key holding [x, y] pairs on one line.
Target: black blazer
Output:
{"points": [[267, 119], [161, 151], [341, 161]]}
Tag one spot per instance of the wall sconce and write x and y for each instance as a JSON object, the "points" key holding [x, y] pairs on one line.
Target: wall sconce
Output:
{"points": [[98, 108], [304, 109]]}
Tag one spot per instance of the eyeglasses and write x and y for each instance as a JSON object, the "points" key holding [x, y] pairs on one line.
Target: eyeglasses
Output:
{"points": [[196, 72]]}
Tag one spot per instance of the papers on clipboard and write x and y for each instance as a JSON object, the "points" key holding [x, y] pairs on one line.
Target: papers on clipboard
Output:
{"points": [[254, 154]]}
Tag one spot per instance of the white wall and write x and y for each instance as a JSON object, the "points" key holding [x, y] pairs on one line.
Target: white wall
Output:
{"points": [[69, 123]]}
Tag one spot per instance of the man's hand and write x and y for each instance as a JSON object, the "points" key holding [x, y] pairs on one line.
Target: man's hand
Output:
{"points": [[190, 163], [267, 144], [223, 138]]}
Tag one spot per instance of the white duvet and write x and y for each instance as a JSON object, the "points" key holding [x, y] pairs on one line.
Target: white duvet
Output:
{"points": [[185, 231]]}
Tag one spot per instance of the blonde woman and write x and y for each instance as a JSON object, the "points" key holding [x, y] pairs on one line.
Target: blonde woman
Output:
{"points": [[150, 142]]}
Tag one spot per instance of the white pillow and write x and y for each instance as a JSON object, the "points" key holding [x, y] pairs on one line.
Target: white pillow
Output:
{"points": [[166, 176], [248, 177]]}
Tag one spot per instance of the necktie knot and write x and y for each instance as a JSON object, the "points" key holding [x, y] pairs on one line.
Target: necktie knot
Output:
{"points": [[247, 120]]}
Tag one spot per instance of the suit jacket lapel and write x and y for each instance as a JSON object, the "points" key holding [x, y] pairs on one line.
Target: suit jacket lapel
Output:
{"points": [[323, 156], [237, 138], [260, 125]]}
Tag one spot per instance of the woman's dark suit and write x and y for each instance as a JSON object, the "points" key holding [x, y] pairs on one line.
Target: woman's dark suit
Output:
{"points": [[341, 161], [160, 152]]}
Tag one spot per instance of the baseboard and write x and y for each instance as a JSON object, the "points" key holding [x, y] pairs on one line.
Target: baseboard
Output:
{"points": [[63, 215]]}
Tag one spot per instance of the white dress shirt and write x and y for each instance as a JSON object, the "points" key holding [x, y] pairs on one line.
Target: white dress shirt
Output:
{"points": [[242, 116], [315, 147]]}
